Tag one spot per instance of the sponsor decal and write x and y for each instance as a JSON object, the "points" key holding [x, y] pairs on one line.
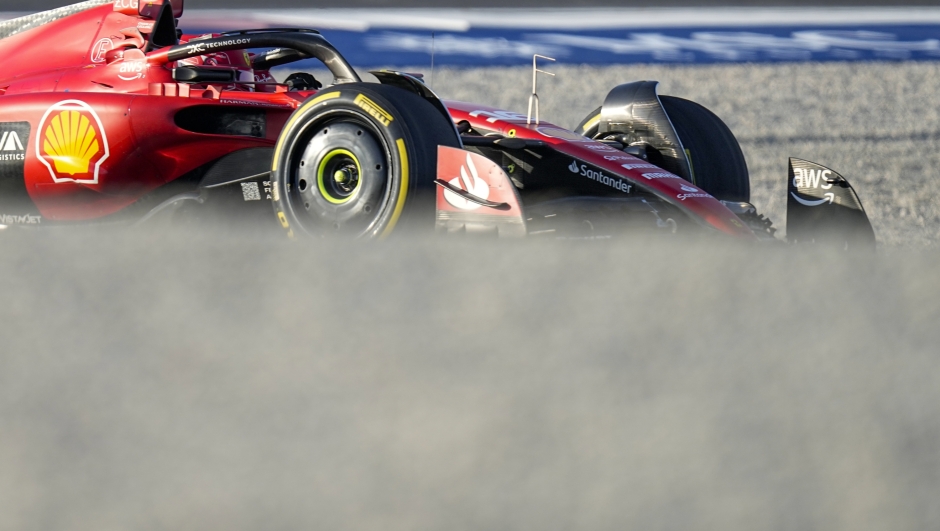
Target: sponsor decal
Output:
{"points": [[99, 50], [830, 197], [196, 49], [131, 70], [630, 157], [596, 146], [145, 26], [11, 147], [374, 110], [470, 182], [744, 45], [693, 192], [653, 175], [264, 77], [506, 116], [806, 178], [72, 142], [25, 219], [199, 48], [459, 45], [816, 179], [254, 103], [15, 203], [683, 197], [600, 177], [125, 4], [251, 191]]}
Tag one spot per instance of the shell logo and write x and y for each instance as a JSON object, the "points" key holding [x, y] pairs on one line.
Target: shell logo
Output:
{"points": [[73, 143]]}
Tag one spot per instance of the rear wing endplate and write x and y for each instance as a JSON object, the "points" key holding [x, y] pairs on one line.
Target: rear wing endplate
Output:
{"points": [[823, 208]]}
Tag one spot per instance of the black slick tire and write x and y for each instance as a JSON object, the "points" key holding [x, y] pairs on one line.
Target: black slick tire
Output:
{"points": [[359, 160], [718, 164]]}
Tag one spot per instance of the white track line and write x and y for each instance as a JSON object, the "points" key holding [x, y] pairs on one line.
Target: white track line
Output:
{"points": [[571, 19], [459, 20]]}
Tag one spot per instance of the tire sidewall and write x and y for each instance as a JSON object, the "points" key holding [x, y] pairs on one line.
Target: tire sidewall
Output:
{"points": [[388, 125]]}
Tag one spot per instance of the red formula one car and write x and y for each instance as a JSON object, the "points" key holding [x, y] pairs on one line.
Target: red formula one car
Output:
{"points": [[110, 114]]}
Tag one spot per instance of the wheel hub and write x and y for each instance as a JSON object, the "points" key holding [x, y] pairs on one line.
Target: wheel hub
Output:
{"points": [[340, 180], [338, 176]]}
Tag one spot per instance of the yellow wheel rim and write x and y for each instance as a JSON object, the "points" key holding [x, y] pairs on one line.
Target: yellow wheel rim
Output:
{"points": [[336, 176]]}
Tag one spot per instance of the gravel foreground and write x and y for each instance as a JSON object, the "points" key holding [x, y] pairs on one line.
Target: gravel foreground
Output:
{"points": [[169, 381]]}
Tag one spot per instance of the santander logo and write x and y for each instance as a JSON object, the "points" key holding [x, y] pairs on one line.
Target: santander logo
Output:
{"points": [[472, 183]]}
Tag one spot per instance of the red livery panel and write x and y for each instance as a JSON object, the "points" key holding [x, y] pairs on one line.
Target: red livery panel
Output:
{"points": [[107, 110]]}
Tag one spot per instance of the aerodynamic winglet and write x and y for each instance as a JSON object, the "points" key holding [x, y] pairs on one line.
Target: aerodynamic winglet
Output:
{"points": [[823, 208]]}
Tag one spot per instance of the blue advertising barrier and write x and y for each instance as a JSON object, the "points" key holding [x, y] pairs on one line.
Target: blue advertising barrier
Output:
{"points": [[487, 47], [599, 36]]}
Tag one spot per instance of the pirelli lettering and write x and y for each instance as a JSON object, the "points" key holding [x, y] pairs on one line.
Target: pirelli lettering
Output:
{"points": [[374, 110]]}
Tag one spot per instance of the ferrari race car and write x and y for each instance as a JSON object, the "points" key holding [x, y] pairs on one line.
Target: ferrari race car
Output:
{"points": [[109, 114]]}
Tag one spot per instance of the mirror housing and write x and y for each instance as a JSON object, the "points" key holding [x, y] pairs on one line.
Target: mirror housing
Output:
{"points": [[151, 8]]}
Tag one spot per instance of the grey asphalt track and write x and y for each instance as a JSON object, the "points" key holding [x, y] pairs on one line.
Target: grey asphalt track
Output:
{"points": [[188, 382], [38, 5]]}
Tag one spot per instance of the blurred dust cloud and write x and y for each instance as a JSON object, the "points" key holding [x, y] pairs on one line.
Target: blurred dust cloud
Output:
{"points": [[205, 381]]}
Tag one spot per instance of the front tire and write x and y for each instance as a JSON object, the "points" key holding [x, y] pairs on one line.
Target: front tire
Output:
{"points": [[359, 161], [718, 164]]}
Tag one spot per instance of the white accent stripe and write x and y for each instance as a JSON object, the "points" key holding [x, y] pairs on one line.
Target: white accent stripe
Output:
{"points": [[561, 19]]}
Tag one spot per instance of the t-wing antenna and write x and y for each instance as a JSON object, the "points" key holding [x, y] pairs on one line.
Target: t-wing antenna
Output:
{"points": [[534, 98]]}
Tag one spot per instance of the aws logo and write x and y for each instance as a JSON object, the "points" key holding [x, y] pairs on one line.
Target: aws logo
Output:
{"points": [[810, 178], [132, 70], [72, 142]]}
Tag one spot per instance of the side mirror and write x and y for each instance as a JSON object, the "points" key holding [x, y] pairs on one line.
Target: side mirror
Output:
{"points": [[164, 32], [151, 8]]}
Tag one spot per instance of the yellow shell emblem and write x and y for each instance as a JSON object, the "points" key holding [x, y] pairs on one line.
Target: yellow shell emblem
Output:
{"points": [[71, 142]]}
